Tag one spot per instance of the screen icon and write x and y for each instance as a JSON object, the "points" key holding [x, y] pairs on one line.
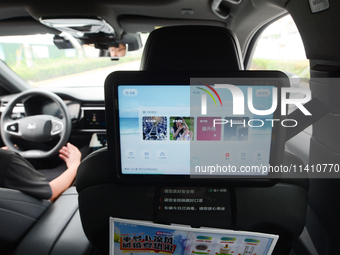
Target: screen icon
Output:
{"points": [[206, 130], [130, 154], [227, 156], [236, 129], [162, 155], [262, 93], [258, 155], [242, 155], [130, 92], [146, 155], [194, 161]]}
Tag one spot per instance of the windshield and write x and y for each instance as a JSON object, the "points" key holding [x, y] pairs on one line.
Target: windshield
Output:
{"points": [[40, 63]]}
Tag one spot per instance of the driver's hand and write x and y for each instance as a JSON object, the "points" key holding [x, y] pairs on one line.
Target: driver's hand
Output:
{"points": [[71, 155], [7, 149]]}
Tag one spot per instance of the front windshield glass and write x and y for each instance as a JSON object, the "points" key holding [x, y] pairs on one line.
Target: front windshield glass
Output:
{"points": [[40, 63]]}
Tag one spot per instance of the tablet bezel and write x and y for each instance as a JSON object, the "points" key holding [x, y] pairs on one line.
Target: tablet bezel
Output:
{"points": [[136, 78]]}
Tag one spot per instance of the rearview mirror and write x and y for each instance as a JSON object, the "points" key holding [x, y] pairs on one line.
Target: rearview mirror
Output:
{"points": [[117, 52], [112, 52]]}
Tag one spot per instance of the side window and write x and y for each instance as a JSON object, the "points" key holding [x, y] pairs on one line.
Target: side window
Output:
{"points": [[280, 48]]}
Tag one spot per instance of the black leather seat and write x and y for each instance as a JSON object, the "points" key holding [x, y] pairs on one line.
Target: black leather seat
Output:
{"points": [[280, 209], [34, 225], [40, 227], [18, 213], [58, 231]]}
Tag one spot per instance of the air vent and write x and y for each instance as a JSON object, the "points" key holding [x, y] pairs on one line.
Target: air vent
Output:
{"points": [[18, 109], [4, 104]]}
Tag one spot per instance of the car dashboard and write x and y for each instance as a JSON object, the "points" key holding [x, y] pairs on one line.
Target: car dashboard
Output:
{"points": [[87, 117]]}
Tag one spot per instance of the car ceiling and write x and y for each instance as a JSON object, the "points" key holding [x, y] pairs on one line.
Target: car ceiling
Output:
{"points": [[134, 15]]}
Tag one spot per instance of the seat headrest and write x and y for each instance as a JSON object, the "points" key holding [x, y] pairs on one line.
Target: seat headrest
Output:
{"points": [[192, 48]]}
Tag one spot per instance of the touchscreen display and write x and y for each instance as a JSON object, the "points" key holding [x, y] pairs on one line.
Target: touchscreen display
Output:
{"points": [[185, 130]]}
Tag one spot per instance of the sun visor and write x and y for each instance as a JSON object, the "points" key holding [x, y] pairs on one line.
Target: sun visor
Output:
{"points": [[24, 26]]}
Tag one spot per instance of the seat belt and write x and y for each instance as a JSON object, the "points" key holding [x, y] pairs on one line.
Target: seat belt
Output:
{"points": [[316, 108]]}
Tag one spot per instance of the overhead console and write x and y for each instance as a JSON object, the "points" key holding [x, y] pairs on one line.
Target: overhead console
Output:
{"points": [[195, 128]]}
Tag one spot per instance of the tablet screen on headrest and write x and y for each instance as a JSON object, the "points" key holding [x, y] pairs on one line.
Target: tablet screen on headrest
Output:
{"points": [[197, 130]]}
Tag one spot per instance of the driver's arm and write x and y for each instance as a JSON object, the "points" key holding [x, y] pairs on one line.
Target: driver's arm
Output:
{"points": [[17, 173], [72, 156]]}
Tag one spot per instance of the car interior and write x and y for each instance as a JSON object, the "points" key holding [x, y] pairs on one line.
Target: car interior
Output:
{"points": [[185, 37]]}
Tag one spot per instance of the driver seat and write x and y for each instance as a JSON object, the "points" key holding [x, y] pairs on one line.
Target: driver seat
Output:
{"points": [[18, 213], [31, 224], [280, 209], [34, 226]]}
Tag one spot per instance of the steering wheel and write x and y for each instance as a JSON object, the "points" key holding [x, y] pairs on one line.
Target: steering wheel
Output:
{"points": [[37, 128]]}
